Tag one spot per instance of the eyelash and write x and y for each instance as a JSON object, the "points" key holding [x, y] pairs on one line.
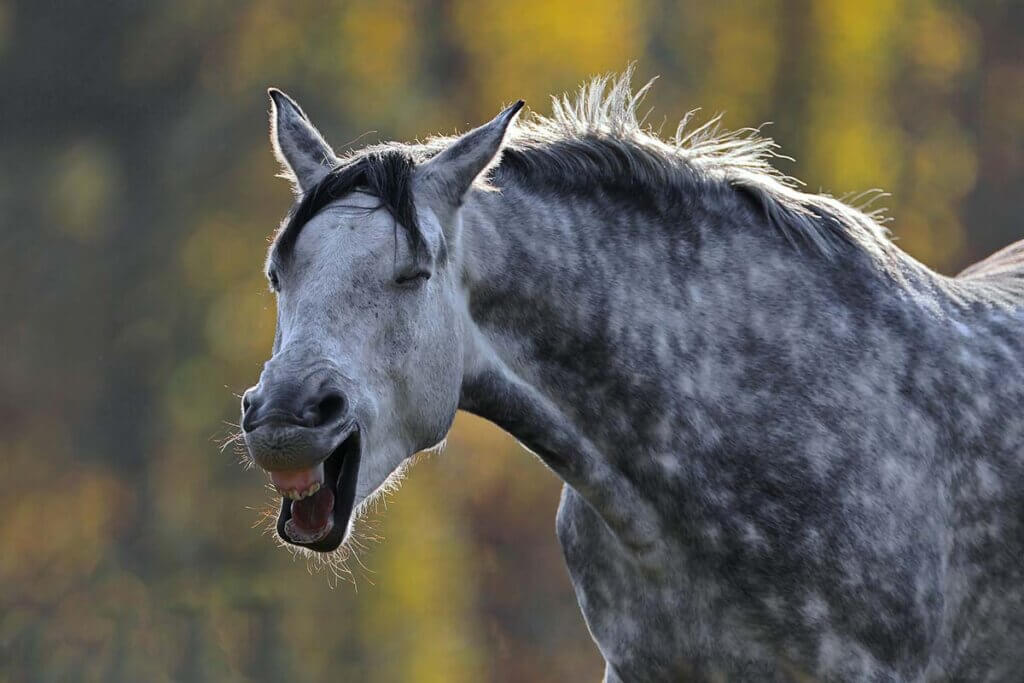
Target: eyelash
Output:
{"points": [[422, 275], [418, 276]]}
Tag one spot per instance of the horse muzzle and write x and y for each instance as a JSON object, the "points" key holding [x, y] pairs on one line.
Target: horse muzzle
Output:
{"points": [[306, 438]]}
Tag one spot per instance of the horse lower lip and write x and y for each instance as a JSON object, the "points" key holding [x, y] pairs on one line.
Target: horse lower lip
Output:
{"points": [[299, 535]]}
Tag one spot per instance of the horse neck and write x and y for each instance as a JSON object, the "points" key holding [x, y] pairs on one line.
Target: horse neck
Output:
{"points": [[615, 311], [601, 297], [596, 326], [627, 347], [569, 291]]}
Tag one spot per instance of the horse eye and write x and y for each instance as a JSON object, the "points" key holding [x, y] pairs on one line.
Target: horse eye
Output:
{"points": [[412, 277], [274, 284]]}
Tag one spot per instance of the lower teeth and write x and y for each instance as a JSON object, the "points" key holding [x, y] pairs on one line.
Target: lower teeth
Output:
{"points": [[303, 536]]}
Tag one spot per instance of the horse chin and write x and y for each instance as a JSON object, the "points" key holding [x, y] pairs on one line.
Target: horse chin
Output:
{"points": [[341, 472]]}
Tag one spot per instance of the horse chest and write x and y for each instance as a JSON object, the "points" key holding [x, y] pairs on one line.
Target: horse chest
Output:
{"points": [[652, 626], [685, 622]]}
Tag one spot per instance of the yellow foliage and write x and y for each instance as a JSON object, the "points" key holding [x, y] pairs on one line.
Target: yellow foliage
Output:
{"points": [[54, 539], [129, 552], [742, 61], [535, 48]]}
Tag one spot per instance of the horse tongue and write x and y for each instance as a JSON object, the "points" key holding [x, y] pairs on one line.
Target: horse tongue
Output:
{"points": [[312, 517]]}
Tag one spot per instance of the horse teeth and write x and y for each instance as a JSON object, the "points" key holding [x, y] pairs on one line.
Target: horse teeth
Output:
{"points": [[295, 494]]}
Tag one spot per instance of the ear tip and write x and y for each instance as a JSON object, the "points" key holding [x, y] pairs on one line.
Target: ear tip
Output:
{"points": [[506, 116], [280, 98], [277, 98]]}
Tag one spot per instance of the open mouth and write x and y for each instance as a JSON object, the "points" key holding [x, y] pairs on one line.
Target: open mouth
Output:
{"points": [[316, 504]]}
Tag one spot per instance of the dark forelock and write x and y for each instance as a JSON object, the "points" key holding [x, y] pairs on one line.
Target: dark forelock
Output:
{"points": [[385, 173]]}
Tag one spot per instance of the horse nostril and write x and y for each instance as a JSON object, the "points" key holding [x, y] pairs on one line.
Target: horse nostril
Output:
{"points": [[250, 406], [328, 408]]}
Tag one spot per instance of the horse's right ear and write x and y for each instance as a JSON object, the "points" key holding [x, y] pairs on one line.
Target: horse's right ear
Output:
{"points": [[304, 155], [453, 171]]}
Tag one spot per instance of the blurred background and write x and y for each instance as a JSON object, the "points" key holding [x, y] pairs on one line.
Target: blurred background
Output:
{"points": [[137, 191]]}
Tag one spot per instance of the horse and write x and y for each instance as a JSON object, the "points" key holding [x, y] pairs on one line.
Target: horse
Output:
{"points": [[789, 450]]}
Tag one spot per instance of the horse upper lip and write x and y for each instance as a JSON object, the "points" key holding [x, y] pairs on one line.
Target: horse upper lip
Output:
{"points": [[298, 484], [293, 447]]}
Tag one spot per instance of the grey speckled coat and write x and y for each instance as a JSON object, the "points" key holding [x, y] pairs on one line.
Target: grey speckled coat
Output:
{"points": [[791, 452]]}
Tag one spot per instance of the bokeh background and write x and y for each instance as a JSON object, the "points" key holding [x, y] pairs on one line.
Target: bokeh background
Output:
{"points": [[137, 192]]}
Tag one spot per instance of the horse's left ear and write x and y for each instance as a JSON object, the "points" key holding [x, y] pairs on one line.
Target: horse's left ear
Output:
{"points": [[453, 171]]}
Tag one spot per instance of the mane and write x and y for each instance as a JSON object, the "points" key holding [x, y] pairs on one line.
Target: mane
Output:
{"points": [[597, 139]]}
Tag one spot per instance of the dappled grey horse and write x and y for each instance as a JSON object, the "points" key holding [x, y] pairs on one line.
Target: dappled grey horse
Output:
{"points": [[790, 451]]}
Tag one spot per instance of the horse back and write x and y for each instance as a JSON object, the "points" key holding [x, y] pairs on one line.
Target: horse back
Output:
{"points": [[1007, 262]]}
